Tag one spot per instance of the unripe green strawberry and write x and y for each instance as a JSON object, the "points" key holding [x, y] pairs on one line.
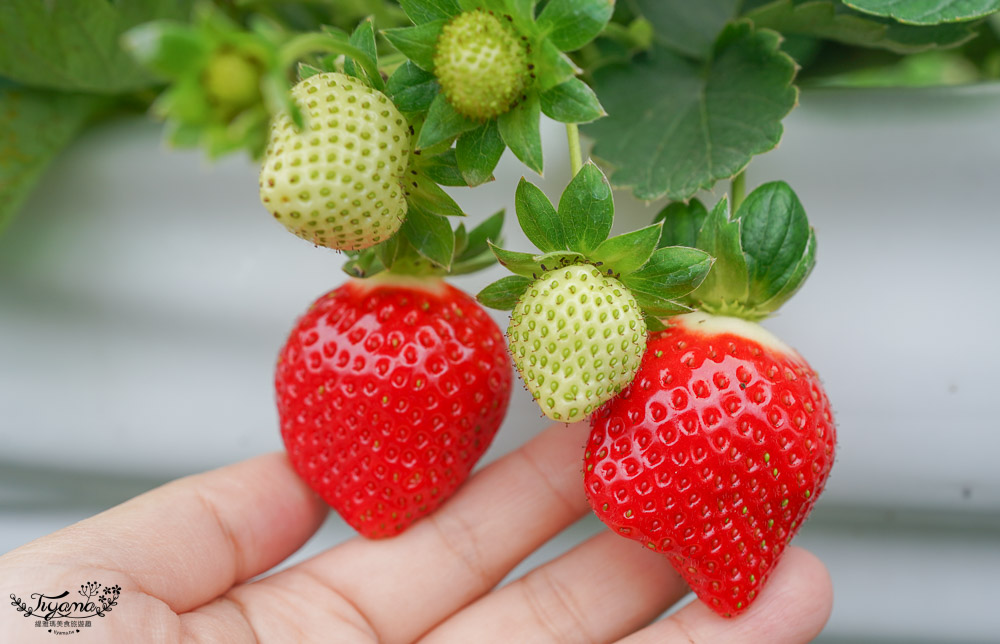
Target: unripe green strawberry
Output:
{"points": [[481, 63], [577, 338], [337, 183]]}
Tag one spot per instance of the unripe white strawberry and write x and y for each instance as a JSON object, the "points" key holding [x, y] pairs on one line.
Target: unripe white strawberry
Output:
{"points": [[481, 63], [337, 183], [577, 337]]}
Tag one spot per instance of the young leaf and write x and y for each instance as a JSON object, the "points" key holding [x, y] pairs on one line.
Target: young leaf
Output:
{"points": [[586, 210], [681, 223], [75, 46], [572, 102], [430, 235], [688, 27], [37, 126], [421, 11], [776, 238], [441, 168], [443, 123], [417, 43], [571, 24], [504, 293], [430, 197], [670, 273], [926, 12], [626, 253], [538, 219], [728, 283], [478, 151], [708, 120], [411, 88], [519, 130]]}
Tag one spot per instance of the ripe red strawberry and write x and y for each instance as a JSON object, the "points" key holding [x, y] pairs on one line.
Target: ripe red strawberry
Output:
{"points": [[720, 447], [388, 393], [714, 455]]}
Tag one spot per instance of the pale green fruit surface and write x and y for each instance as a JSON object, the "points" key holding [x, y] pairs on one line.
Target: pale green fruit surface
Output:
{"points": [[338, 182], [481, 63], [577, 337]]}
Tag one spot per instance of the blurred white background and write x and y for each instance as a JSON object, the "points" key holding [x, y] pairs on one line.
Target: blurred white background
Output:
{"points": [[144, 295]]}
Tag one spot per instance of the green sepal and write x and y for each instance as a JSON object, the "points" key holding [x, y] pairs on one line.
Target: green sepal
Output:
{"points": [[571, 102], [504, 293], [430, 235], [681, 223], [476, 253], [428, 196], [421, 11], [727, 286], [552, 67], [519, 129], [166, 47], [533, 266], [670, 273], [571, 24], [653, 324], [411, 88], [363, 38], [626, 253], [586, 209], [522, 12], [478, 151], [443, 123], [538, 218], [389, 250], [305, 71], [440, 168], [659, 307], [363, 265], [418, 42]]}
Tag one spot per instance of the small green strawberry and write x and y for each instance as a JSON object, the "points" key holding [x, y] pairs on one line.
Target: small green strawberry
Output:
{"points": [[582, 307], [481, 63], [338, 181]]}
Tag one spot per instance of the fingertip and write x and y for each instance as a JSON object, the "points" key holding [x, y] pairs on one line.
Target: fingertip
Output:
{"points": [[797, 601]]}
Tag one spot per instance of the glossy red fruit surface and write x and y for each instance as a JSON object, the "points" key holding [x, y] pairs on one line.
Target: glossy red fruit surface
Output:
{"points": [[714, 455], [388, 394]]}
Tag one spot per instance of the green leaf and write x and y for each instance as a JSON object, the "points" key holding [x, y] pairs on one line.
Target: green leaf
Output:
{"points": [[421, 11], [728, 285], [670, 273], [778, 245], [364, 39], [552, 67], [37, 126], [166, 47], [443, 123], [411, 88], [75, 46], [429, 196], [572, 102], [538, 218], [926, 12], [681, 223], [440, 168], [487, 231], [831, 20], [676, 127], [519, 130], [626, 253], [478, 151], [417, 43], [571, 24], [586, 209], [504, 293], [430, 235], [689, 27]]}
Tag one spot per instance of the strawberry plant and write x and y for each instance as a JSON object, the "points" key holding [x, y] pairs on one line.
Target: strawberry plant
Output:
{"points": [[710, 439]]}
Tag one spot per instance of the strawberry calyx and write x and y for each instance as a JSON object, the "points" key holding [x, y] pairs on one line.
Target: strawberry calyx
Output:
{"points": [[482, 71], [764, 251]]}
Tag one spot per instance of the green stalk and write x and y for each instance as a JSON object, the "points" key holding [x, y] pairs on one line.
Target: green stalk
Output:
{"points": [[738, 189], [309, 43], [575, 156]]}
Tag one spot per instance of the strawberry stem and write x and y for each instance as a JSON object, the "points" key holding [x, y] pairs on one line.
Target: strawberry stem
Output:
{"points": [[738, 189], [575, 155]]}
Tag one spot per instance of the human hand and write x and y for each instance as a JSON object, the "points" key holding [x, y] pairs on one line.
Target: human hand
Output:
{"points": [[183, 554]]}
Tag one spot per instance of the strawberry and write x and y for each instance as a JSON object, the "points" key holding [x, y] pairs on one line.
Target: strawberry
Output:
{"points": [[481, 63], [580, 307], [337, 183], [389, 390], [720, 447]]}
